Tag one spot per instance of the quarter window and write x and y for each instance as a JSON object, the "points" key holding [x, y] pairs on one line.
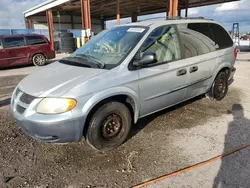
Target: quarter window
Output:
{"points": [[222, 38], [164, 42], [13, 42], [197, 39], [1, 44], [35, 40]]}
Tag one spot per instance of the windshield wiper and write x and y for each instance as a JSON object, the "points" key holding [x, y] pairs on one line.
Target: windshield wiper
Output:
{"points": [[99, 62]]}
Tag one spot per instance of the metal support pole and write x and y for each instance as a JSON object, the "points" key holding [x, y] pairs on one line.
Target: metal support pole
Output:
{"points": [[50, 26], [134, 16], [118, 17], [72, 21], [179, 12], [186, 12]]}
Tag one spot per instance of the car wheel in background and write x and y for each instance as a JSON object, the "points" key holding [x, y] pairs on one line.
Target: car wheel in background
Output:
{"points": [[39, 60], [109, 126], [219, 88]]}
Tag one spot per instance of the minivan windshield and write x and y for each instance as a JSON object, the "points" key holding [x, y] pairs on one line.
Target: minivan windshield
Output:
{"points": [[110, 47]]}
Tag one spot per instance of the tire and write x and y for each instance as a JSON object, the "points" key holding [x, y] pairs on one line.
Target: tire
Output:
{"points": [[39, 60], [109, 126], [62, 35], [219, 89]]}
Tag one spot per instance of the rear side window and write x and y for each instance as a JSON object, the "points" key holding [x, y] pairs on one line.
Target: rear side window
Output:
{"points": [[197, 39], [35, 40], [222, 38], [13, 42]]}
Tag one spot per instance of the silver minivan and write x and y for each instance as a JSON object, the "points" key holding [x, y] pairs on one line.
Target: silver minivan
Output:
{"points": [[121, 75]]}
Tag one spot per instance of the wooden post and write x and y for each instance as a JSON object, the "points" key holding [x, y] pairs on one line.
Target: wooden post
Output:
{"points": [[29, 23], [173, 8], [86, 19], [50, 26], [82, 14], [89, 15], [186, 12], [118, 17]]}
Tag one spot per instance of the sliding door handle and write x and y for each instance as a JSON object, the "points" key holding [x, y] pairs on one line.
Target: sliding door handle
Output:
{"points": [[193, 69], [182, 72]]}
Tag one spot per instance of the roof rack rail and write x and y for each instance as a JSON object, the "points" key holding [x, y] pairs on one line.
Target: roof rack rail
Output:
{"points": [[186, 18], [174, 18], [159, 17]]}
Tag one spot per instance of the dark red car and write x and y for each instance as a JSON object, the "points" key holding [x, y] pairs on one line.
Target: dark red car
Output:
{"points": [[23, 49]]}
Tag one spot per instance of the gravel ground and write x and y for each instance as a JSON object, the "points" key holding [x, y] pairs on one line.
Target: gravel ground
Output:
{"points": [[159, 144]]}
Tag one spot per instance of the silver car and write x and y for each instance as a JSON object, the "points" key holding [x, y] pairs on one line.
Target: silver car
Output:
{"points": [[123, 74]]}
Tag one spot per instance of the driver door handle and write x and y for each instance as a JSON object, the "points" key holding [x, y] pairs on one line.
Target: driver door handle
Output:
{"points": [[182, 72]]}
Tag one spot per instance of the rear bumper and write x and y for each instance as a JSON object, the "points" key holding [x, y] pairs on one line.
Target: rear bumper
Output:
{"points": [[231, 76]]}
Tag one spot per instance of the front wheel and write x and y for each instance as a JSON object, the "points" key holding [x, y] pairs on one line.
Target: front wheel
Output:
{"points": [[39, 60], [219, 88], [109, 126]]}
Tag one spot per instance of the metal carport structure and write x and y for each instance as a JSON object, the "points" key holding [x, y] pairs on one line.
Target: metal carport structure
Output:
{"points": [[91, 14]]}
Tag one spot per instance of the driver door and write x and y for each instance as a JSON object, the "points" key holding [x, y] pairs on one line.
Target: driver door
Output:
{"points": [[164, 83]]}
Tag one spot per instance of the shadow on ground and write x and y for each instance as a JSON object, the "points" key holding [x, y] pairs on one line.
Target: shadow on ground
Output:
{"points": [[4, 102], [234, 170]]}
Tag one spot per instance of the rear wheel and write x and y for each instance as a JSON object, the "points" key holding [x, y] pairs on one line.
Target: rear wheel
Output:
{"points": [[39, 60], [109, 126], [219, 88]]}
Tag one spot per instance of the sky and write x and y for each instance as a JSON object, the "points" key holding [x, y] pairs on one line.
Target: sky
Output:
{"points": [[11, 13]]}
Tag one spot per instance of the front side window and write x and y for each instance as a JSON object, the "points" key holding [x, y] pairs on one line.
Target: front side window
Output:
{"points": [[163, 41], [110, 47], [197, 39], [35, 40], [13, 42], [1, 44]]}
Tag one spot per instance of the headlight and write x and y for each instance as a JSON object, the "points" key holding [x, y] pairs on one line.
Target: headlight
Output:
{"points": [[55, 105]]}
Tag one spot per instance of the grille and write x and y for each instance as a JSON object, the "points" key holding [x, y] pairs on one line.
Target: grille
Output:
{"points": [[20, 109], [23, 102], [27, 99]]}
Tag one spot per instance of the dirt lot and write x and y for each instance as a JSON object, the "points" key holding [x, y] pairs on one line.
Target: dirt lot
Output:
{"points": [[162, 143]]}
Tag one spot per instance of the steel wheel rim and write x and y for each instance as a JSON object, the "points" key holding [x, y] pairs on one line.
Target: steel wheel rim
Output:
{"points": [[221, 86], [112, 127]]}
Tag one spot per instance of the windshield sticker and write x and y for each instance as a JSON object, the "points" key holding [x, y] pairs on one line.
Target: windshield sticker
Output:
{"points": [[136, 30]]}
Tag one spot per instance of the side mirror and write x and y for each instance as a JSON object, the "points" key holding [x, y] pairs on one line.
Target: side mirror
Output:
{"points": [[148, 58]]}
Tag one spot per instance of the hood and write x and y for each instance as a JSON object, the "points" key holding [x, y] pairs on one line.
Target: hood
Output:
{"points": [[56, 79]]}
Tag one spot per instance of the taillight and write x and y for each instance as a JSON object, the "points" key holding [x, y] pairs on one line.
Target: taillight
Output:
{"points": [[235, 52]]}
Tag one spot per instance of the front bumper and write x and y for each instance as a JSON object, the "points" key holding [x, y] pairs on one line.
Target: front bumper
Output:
{"points": [[55, 131], [58, 128]]}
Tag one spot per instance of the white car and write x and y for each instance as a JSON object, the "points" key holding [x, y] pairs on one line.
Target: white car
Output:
{"points": [[121, 75]]}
